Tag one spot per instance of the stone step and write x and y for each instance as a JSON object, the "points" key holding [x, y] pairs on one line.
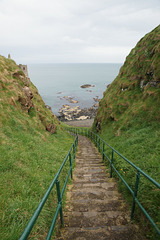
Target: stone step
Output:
{"points": [[88, 160], [80, 164], [105, 185], [87, 205], [90, 177], [94, 208], [91, 170], [95, 195], [91, 180], [123, 232], [96, 219]]}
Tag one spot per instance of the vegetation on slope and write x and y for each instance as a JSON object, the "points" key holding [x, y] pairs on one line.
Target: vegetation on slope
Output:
{"points": [[33, 146], [129, 115]]}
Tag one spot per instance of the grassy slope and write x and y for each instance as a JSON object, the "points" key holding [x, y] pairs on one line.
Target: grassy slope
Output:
{"points": [[130, 117], [30, 156]]}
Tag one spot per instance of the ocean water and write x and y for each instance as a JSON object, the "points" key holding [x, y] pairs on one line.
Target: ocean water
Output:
{"points": [[54, 81]]}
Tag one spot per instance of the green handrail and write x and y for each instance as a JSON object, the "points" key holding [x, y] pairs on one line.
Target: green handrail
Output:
{"points": [[100, 144], [34, 217]]}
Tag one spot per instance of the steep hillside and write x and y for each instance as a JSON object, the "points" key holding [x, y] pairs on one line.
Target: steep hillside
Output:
{"points": [[136, 90], [129, 116], [33, 146]]}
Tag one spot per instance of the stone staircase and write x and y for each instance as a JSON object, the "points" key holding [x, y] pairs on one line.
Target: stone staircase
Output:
{"points": [[95, 210]]}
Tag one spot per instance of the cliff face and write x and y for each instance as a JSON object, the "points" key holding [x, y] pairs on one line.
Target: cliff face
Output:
{"points": [[20, 97], [136, 90]]}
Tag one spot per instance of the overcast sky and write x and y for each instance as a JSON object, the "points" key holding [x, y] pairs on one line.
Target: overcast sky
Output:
{"points": [[71, 31]]}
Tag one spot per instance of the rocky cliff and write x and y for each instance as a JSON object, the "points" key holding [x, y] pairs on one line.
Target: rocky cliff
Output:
{"points": [[19, 94], [136, 90]]}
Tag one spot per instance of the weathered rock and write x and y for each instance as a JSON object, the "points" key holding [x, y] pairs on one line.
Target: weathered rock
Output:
{"points": [[87, 86], [70, 99], [51, 128], [98, 126], [12, 101], [73, 101], [96, 105], [21, 76], [26, 102], [48, 107], [82, 118], [75, 113], [28, 92], [96, 99], [88, 90]]}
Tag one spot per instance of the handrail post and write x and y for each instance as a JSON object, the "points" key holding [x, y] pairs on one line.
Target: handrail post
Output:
{"points": [[111, 164], [70, 163], [103, 151], [74, 150], [135, 193], [59, 200], [99, 142]]}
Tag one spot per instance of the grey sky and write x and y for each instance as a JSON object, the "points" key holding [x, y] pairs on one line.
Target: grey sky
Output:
{"points": [[53, 31]]}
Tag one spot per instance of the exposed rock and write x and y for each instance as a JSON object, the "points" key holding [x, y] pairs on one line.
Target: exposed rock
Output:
{"points": [[88, 90], [151, 83], [51, 128], [73, 101], [28, 92], [70, 99], [123, 89], [87, 86], [75, 113], [96, 99], [21, 76], [12, 101], [83, 118], [96, 105], [26, 102], [98, 126], [48, 107], [112, 117]]}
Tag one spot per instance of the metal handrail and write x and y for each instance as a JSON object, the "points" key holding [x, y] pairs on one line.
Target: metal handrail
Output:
{"points": [[71, 157], [98, 142]]}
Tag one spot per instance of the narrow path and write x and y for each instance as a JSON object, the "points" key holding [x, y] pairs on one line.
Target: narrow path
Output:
{"points": [[95, 210]]}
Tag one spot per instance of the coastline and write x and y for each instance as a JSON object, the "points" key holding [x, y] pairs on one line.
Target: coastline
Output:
{"points": [[75, 113]]}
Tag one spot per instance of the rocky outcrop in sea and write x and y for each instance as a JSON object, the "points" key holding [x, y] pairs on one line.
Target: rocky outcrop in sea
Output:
{"points": [[69, 113]]}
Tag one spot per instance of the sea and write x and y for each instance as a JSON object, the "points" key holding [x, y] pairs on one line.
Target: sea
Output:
{"points": [[57, 81]]}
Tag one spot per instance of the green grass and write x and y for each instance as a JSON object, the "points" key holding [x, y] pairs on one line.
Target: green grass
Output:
{"points": [[130, 121], [29, 162], [30, 156], [139, 144]]}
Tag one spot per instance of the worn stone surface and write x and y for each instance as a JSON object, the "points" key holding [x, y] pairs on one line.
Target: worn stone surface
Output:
{"points": [[95, 209]]}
